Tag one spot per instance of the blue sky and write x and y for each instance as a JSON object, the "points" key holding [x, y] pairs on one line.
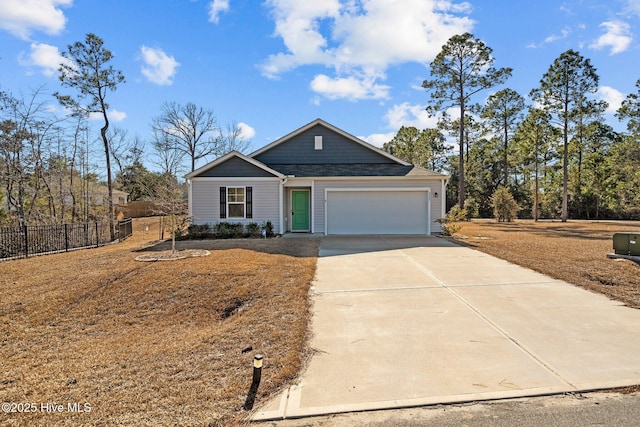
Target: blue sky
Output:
{"points": [[275, 65]]}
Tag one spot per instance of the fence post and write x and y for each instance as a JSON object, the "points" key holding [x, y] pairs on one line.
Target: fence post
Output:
{"points": [[97, 236], [66, 238], [26, 241]]}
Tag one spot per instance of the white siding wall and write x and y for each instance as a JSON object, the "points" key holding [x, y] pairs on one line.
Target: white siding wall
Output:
{"points": [[321, 185], [205, 200]]}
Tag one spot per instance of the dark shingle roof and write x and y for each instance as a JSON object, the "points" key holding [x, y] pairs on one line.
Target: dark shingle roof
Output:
{"points": [[351, 169]]}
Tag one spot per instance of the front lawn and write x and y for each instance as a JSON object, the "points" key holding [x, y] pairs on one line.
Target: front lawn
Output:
{"points": [[152, 343], [574, 251]]}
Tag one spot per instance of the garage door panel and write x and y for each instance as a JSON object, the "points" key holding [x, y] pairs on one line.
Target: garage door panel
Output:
{"points": [[377, 212]]}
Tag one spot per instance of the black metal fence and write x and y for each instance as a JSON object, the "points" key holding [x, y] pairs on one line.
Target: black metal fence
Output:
{"points": [[125, 228], [22, 242]]}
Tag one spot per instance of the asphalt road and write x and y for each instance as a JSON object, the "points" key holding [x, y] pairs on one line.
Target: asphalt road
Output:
{"points": [[588, 409]]}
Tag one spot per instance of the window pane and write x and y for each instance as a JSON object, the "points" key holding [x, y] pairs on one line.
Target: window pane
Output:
{"points": [[236, 210], [235, 194]]}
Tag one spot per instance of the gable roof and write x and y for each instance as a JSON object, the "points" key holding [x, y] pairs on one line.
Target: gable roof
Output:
{"points": [[332, 128], [229, 156]]}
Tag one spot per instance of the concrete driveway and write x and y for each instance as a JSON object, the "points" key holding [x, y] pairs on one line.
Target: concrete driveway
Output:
{"points": [[409, 321]]}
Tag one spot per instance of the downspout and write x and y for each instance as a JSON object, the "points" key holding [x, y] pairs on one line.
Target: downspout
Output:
{"points": [[283, 181], [443, 199], [190, 201]]}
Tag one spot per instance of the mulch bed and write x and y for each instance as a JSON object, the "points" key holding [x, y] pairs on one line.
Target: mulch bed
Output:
{"points": [[172, 255]]}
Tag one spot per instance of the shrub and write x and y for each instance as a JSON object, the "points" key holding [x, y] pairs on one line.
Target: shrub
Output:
{"points": [[254, 230], [455, 214], [505, 208], [448, 229], [268, 226], [228, 230], [471, 208], [198, 231]]}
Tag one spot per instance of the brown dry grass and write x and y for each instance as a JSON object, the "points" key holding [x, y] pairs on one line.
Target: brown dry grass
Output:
{"points": [[153, 343], [574, 251]]}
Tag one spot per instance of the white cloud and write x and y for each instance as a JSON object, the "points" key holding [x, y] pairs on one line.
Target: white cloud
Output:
{"points": [[246, 131], [158, 68], [46, 57], [613, 97], [216, 7], [351, 87], [399, 115], [378, 139], [617, 37], [21, 17], [114, 116], [554, 37], [564, 33], [633, 7], [406, 114], [360, 40]]}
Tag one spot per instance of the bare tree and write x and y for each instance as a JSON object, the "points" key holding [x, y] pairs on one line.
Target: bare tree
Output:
{"points": [[24, 131], [232, 138], [167, 156], [125, 151], [78, 131], [188, 129], [169, 201]]}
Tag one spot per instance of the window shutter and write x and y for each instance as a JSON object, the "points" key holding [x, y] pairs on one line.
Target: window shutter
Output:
{"points": [[249, 202], [223, 202]]}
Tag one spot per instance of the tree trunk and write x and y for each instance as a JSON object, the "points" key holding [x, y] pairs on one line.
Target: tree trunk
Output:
{"points": [[565, 164], [103, 133], [173, 234], [537, 182], [506, 155], [565, 175], [461, 163]]}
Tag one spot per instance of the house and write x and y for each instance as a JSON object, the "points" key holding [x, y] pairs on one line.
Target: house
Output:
{"points": [[319, 179], [100, 194]]}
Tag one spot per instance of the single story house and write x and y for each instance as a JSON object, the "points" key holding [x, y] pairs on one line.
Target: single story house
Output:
{"points": [[319, 179]]}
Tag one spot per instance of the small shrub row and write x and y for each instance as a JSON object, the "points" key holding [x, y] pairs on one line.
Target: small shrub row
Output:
{"points": [[229, 230]]}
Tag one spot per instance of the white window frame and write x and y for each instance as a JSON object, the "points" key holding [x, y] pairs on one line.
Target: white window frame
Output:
{"points": [[244, 203]]}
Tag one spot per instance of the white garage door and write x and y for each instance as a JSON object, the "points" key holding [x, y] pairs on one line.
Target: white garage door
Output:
{"points": [[377, 212]]}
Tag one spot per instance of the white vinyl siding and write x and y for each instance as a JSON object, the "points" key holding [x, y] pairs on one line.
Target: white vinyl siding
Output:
{"points": [[205, 200]]}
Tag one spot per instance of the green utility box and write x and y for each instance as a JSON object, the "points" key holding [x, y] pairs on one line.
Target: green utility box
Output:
{"points": [[627, 243]]}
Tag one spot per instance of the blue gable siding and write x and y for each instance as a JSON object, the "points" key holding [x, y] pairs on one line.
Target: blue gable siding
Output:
{"points": [[336, 149], [235, 167]]}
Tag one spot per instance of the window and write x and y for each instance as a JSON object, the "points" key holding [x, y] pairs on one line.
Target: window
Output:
{"points": [[235, 202]]}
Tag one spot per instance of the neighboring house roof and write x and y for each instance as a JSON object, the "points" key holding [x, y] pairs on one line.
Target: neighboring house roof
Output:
{"points": [[299, 155], [103, 190]]}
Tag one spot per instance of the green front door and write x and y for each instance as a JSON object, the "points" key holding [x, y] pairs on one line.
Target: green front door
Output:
{"points": [[299, 210]]}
